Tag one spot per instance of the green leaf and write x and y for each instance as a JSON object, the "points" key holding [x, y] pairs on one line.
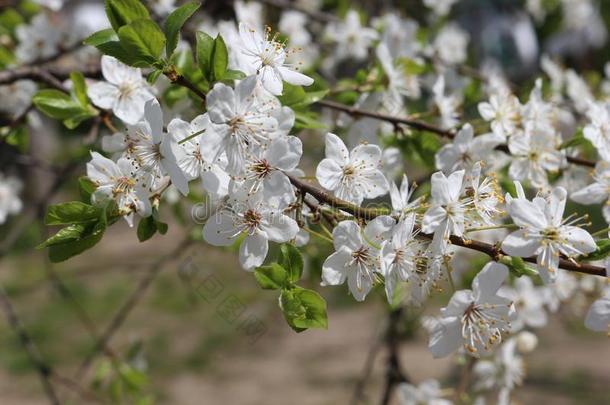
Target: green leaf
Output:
{"points": [[74, 212], [174, 23], [220, 58], [271, 277], [123, 12], [60, 252], [292, 95], [80, 88], [603, 250], [144, 40], [307, 120], [146, 228], [153, 76], [303, 309], [67, 234], [204, 51], [291, 260], [101, 37], [116, 50], [86, 188], [56, 104], [19, 138], [231, 74]]}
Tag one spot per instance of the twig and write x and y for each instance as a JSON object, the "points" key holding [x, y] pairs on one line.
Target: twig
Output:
{"points": [[121, 315], [33, 73], [44, 370], [421, 126], [493, 251], [394, 373]]}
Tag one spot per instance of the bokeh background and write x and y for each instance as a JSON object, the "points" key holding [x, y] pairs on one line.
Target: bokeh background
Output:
{"points": [[205, 333]]}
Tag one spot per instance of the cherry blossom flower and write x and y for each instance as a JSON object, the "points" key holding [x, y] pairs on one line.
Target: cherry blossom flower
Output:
{"points": [[266, 58], [504, 112], [451, 44], [535, 152], [445, 216], [400, 197], [545, 233], [10, 203], [466, 149], [447, 105], [598, 130], [38, 40], [400, 84], [440, 7], [427, 393], [153, 153], [473, 318], [124, 92], [356, 257], [597, 192], [529, 303], [504, 372], [598, 317], [238, 124], [191, 137], [353, 40], [352, 176], [255, 218], [117, 181]]}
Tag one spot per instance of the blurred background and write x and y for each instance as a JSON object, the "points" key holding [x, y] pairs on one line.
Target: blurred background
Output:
{"points": [[204, 332]]}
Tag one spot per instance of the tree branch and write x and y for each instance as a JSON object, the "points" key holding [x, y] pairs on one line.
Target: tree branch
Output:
{"points": [[421, 126], [493, 251]]}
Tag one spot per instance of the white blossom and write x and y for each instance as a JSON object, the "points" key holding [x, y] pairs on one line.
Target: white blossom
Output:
{"points": [[445, 217], [544, 233], [427, 393], [451, 44], [598, 317], [255, 218], [356, 256], [353, 40], [597, 192], [10, 203], [266, 58], [473, 318], [118, 182], [352, 176], [124, 92], [38, 40]]}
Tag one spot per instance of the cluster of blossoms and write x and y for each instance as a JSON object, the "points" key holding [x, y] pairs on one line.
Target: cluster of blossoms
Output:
{"points": [[246, 155]]}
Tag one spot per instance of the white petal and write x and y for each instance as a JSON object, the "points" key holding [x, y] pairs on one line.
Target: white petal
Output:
{"points": [[295, 78], [445, 337], [347, 235], [280, 228], [488, 281], [253, 251], [334, 269], [103, 94], [336, 150], [519, 244], [598, 317], [219, 230]]}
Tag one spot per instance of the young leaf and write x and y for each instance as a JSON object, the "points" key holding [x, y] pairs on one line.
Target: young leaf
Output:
{"points": [[291, 260], [56, 104], [58, 252], [116, 50], [74, 212], [146, 228], [272, 277], [205, 48], [68, 234], [80, 88], [144, 40], [303, 309], [101, 37], [123, 12], [174, 23], [220, 58], [86, 188]]}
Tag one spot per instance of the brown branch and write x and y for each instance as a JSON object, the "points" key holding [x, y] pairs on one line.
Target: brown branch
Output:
{"points": [[421, 126], [33, 73], [491, 250], [44, 370], [134, 298], [394, 373]]}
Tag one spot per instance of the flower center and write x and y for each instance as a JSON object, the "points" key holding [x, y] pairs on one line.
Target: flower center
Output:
{"points": [[252, 220]]}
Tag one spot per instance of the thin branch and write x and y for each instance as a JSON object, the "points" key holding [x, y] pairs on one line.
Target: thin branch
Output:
{"points": [[44, 370], [421, 126], [291, 5], [493, 251], [121, 315], [35, 73], [394, 373]]}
